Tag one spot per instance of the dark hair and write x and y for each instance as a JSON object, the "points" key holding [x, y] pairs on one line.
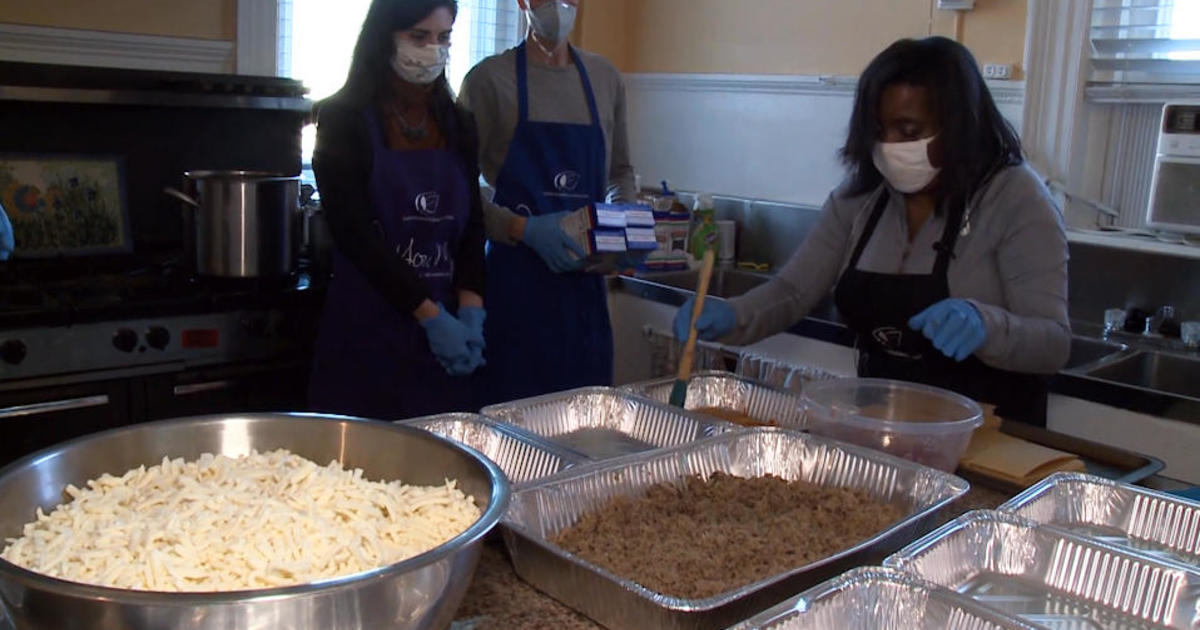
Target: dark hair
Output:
{"points": [[369, 81], [975, 140]]}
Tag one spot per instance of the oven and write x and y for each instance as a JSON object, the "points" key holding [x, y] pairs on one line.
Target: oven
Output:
{"points": [[39, 416], [247, 387], [107, 334]]}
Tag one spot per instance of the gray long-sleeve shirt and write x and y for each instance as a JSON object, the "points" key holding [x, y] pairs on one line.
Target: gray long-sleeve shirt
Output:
{"points": [[555, 95], [1012, 265]]}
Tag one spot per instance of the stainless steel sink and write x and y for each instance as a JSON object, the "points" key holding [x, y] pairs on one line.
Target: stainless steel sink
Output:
{"points": [[1085, 352], [725, 283], [1158, 371]]}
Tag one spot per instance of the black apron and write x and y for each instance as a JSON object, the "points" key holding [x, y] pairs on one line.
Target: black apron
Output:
{"points": [[877, 307]]}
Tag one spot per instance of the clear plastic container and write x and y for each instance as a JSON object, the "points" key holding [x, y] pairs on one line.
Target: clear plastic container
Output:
{"points": [[924, 424]]}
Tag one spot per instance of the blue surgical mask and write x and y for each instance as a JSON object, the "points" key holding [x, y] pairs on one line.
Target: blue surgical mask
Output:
{"points": [[552, 22]]}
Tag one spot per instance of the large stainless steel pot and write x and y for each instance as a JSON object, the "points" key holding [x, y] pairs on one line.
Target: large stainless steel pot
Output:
{"points": [[419, 593], [243, 224]]}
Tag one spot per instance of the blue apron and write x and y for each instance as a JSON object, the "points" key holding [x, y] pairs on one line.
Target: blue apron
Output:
{"points": [[372, 360], [546, 332]]}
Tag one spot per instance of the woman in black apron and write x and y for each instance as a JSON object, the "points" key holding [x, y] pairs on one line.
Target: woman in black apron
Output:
{"points": [[948, 255]]}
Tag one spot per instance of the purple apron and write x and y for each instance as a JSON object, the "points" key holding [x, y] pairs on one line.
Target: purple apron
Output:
{"points": [[372, 360]]}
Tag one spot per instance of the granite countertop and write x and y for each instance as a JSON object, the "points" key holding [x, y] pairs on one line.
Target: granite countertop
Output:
{"points": [[499, 600]]}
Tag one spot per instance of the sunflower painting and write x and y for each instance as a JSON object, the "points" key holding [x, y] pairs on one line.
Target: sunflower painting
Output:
{"points": [[65, 205]]}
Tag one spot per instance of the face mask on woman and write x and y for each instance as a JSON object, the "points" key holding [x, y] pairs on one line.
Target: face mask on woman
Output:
{"points": [[419, 64], [552, 22], [905, 164]]}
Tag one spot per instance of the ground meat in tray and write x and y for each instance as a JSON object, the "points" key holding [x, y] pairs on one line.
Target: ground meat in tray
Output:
{"points": [[703, 537]]}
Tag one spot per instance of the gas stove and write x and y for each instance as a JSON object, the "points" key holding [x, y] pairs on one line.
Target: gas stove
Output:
{"points": [[82, 326]]}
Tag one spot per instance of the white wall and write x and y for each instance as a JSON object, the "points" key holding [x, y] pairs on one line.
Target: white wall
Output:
{"points": [[758, 136]]}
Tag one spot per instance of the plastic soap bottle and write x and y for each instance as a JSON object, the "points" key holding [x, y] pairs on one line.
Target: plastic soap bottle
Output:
{"points": [[704, 227]]}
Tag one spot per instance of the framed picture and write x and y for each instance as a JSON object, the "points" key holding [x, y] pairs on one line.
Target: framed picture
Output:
{"points": [[65, 204]]}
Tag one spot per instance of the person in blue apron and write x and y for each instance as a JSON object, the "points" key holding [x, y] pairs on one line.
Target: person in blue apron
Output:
{"points": [[397, 169], [551, 122], [947, 256]]}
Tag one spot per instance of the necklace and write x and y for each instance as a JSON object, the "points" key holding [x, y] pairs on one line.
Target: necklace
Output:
{"points": [[413, 133]]}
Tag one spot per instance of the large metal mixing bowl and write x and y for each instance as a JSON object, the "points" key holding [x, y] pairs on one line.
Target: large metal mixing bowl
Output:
{"points": [[418, 593]]}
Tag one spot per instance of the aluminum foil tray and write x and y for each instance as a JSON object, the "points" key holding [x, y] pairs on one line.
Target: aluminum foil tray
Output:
{"points": [[1155, 524], [540, 511], [665, 352], [875, 597], [522, 458], [779, 373], [1052, 578], [602, 423], [729, 391]]}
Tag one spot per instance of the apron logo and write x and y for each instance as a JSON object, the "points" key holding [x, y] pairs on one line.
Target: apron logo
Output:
{"points": [[567, 181], [427, 202], [425, 260], [888, 337]]}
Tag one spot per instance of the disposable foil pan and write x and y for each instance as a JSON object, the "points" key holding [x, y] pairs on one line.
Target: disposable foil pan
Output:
{"points": [[540, 511], [870, 598], [522, 458], [729, 391], [665, 352], [1143, 520], [1051, 577], [602, 423], [779, 373]]}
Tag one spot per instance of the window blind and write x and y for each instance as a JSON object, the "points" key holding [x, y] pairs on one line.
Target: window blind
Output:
{"points": [[483, 28], [1145, 42]]}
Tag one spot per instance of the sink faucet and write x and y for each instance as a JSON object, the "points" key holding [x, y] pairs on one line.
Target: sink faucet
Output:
{"points": [[1164, 322], [1142, 322]]}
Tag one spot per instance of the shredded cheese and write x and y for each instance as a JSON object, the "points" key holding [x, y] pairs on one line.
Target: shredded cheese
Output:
{"points": [[220, 524]]}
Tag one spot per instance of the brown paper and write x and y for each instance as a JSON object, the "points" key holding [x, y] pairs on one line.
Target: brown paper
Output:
{"points": [[1013, 459]]}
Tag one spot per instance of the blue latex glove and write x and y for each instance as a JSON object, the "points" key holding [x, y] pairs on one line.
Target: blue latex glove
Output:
{"points": [[7, 244], [954, 326], [716, 320], [450, 340], [473, 317], [544, 234]]}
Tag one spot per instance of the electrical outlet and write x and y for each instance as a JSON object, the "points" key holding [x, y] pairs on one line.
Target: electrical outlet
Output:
{"points": [[997, 71]]}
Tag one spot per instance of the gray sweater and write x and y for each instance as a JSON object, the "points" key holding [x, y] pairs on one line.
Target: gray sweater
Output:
{"points": [[555, 95], [1012, 265]]}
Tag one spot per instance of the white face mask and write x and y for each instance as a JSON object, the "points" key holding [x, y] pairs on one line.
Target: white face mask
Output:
{"points": [[552, 22], [419, 64], [905, 164]]}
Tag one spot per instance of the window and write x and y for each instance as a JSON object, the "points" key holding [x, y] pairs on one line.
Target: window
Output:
{"points": [[1143, 53], [316, 39], [1145, 41]]}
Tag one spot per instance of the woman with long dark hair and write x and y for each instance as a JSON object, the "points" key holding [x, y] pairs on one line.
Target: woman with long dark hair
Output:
{"points": [[397, 167], [947, 256]]}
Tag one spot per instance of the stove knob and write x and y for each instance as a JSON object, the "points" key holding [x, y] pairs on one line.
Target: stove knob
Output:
{"points": [[125, 340], [12, 351], [158, 337]]}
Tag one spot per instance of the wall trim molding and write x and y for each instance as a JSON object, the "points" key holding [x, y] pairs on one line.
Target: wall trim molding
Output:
{"points": [[43, 44], [1151, 94], [810, 84], [760, 83]]}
